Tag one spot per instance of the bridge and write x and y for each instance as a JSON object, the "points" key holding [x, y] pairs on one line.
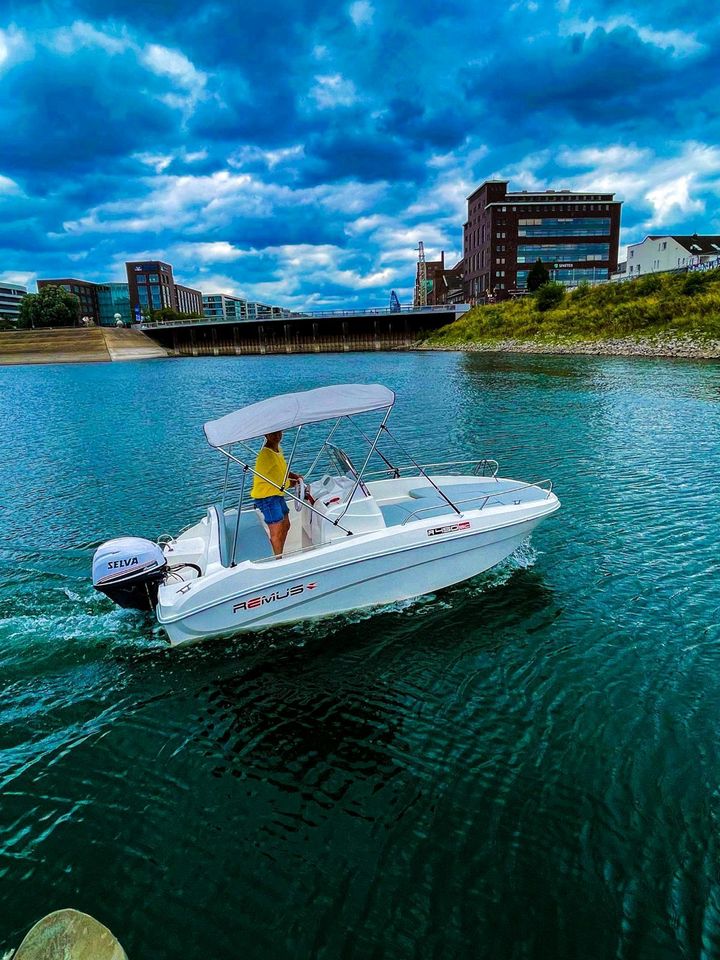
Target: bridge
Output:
{"points": [[376, 328]]}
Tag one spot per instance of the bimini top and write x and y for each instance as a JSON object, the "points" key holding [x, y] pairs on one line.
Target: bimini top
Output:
{"points": [[296, 409]]}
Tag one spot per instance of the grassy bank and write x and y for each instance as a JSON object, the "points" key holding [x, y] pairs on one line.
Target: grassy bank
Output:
{"points": [[672, 309]]}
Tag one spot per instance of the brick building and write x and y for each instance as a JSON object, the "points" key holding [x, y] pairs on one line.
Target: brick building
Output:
{"points": [[151, 286], [576, 235], [444, 283], [85, 290]]}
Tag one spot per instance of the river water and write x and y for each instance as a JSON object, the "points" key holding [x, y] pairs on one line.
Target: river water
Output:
{"points": [[527, 765]]}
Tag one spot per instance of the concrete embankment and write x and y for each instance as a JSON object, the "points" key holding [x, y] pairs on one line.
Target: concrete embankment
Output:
{"points": [[76, 345]]}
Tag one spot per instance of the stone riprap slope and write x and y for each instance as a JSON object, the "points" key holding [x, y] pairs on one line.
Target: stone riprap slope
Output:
{"points": [[675, 315]]}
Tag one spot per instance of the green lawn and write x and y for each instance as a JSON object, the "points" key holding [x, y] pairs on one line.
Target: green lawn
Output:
{"points": [[659, 305]]}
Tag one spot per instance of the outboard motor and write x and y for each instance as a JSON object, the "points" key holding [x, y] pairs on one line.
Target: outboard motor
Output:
{"points": [[129, 570]]}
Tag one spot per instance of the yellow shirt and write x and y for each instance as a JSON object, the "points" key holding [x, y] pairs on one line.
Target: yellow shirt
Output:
{"points": [[273, 466]]}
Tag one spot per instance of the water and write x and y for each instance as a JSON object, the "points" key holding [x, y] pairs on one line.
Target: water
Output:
{"points": [[527, 765]]}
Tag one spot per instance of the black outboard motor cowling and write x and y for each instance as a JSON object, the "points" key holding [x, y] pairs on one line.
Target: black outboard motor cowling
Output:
{"points": [[129, 570]]}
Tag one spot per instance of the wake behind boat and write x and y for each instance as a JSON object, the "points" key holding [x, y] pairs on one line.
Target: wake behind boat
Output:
{"points": [[357, 538]]}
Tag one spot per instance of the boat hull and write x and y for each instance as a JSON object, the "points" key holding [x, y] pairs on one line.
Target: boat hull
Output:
{"points": [[350, 577]]}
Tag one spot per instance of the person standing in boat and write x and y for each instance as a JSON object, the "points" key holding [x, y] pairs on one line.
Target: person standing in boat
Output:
{"points": [[267, 490]]}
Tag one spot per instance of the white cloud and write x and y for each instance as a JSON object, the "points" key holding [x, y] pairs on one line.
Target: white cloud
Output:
{"points": [[250, 154], [361, 13], [158, 161], [333, 90], [24, 279], [672, 198], [677, 41], [664, 184], [216, 251], [180, 70], [198, 204], [14, 45], [172, 63], [69, 40], [615, 157], [8, 187]]}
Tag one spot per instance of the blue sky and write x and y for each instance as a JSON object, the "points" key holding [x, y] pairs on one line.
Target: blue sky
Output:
{"points": [[295, 152]]}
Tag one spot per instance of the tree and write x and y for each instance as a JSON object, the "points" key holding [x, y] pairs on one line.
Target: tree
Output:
{"points": [[538, 276], [549, 295], [168, 315], [51, 307]]}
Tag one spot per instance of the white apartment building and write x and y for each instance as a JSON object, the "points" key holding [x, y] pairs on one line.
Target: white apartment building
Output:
{"points": [[220, 306], [657, 253], [10, 296]]}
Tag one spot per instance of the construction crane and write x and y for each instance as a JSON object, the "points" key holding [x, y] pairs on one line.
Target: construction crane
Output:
{"points": [[394, 302], [421, 278]]}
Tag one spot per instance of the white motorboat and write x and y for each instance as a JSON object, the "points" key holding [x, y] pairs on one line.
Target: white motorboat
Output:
{"points": [[368, 539]]}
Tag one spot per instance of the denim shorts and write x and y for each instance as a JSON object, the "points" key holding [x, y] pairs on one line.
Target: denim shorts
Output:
{"points": [[273, 509]]}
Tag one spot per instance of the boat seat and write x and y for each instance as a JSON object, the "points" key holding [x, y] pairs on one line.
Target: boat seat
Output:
{"points": [[253, 542], [458, 491], [397, 513], [466, 496]]}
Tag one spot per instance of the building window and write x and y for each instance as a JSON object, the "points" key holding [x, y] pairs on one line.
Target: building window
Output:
{"points": [[529, 253], [141, 278], [153, 278], [564, 227]]}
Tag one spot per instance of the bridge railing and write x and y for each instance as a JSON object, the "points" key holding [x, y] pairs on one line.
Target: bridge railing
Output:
{"points": [[308, 315]]}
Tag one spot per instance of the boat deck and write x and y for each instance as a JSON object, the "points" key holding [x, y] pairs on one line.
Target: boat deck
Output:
{"points": [[403, 505]]}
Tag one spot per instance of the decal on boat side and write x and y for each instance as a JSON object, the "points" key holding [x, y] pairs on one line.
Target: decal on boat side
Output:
{"points": [[449, 528], [275, 595]]}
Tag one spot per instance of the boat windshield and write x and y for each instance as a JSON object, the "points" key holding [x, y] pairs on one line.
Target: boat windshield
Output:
{"points": [[341, 461], [344, 465]]}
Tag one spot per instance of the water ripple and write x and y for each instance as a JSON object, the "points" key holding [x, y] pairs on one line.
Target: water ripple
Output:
{"points": [[525, 765]]}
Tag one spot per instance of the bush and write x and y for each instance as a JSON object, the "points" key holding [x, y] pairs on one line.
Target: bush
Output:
{"points": [[695, 282], [549, 295], [581, 291], [648, 285]]}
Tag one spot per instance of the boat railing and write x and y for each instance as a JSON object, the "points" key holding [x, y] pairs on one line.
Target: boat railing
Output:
{"points": [[474, 500], [545, 485], [480, 468]]}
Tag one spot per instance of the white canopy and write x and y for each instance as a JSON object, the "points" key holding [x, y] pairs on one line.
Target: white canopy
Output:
{"points": [[296, 409]]}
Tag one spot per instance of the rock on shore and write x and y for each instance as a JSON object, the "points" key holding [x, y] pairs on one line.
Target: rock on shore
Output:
{"points": [[678, 346]]}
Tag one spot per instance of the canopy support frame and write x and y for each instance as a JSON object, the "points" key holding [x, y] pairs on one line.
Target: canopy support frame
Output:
{"points": [[373, 449], [255, 473], [421, 469]]}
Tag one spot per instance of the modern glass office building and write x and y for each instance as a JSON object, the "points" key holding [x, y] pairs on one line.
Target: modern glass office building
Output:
{"points": [[114, 299]]}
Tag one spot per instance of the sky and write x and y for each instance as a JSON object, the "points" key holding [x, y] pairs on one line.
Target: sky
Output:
{"points": [[296, 151]]}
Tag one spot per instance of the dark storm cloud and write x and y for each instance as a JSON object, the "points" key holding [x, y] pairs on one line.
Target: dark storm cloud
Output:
{"points": [[216, 131], [70, 115]]}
